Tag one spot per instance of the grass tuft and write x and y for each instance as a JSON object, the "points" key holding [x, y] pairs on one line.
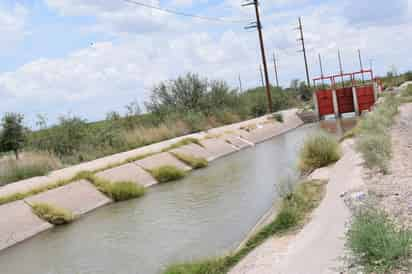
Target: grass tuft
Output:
{"points": [[293, 212], [166, 174], [183, 142], [278, 117], [377, 243], [318, 151], [194, 162], [52, 214], [118, 191]]}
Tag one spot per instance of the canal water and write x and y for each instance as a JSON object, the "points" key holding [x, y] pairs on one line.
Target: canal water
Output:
{"points": [[206, 214]]}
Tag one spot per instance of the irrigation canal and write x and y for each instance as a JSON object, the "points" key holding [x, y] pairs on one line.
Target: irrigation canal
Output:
{"points": [[206, 214]]}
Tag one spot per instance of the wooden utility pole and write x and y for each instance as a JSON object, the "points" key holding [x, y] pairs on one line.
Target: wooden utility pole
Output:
{"points": [[321, 70], [302, 39], [258, 26], [276, 69]]}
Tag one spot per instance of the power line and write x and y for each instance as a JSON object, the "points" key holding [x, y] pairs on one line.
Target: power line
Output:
{"points": [[181, 13]]}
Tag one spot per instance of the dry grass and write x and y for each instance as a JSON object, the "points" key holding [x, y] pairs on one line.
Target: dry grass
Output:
{"points": [[192, 161], [31, 164], [148, 135]]}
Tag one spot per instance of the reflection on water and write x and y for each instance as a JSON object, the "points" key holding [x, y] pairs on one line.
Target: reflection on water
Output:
{"points": [[338, 127], [206, 214]]}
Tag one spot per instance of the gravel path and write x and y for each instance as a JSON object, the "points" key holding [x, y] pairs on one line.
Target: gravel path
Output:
{"points": [[394, 191]]}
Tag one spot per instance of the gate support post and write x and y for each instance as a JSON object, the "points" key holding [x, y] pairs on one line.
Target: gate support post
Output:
{"points": [[316, 104], [355, 100], [375, 91], [335, 103]]}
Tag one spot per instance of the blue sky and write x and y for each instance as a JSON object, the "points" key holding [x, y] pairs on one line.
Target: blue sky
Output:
{"points": [[89, 57]]}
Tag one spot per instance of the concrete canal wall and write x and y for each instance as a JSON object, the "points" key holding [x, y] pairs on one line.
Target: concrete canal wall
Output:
{"points": [[19, 223]]}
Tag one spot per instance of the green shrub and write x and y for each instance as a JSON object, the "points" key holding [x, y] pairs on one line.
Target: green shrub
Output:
{"points": [[166, 174], [122, 191], [293, 212], [374, 141], [376, 150], [52, 214], [318, 151], [377, 243], [118, 191], [194, 162]]}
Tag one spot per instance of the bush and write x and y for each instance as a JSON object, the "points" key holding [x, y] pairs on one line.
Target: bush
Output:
{"points": [[166, 174], [194, 162], [52, 214], [13, 133], [376, 150], [374, 142], [377, 243], [318, 151]]}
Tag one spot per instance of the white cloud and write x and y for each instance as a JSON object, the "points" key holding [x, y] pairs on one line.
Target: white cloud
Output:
{"points": [[12, 27]]}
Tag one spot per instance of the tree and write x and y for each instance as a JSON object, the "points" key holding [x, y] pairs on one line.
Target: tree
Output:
{"points": [[13, 135]]}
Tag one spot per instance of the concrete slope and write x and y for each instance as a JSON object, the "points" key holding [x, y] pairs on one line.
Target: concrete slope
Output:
{"points": [[317, 248], [18, 223]]}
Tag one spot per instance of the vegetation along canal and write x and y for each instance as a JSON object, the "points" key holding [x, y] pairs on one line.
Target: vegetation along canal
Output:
{"points": [[206, 214]]}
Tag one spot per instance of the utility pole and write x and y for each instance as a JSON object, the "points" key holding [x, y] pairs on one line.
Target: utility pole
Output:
{"points": [[341, 68], [361, 65], [258, 26], [321, 70], [240, 84], [302, 39], [276, 69], [262, 81]]}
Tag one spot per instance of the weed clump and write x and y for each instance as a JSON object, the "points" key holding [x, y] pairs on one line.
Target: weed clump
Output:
{"points": [[183, 142], [118, 191], [278, 117], [318, 151], [52, 214], [377, 243], [374, 142], [192, 161], [166, 174]]}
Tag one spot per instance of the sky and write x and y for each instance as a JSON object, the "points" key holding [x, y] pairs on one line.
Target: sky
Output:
{"points": [[90, 57]]}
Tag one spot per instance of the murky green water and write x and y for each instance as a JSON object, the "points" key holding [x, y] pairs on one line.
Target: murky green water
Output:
{"points": [[206, 214]]}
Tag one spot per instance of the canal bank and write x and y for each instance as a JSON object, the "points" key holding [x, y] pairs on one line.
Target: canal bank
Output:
{"points": [[206, 214]]}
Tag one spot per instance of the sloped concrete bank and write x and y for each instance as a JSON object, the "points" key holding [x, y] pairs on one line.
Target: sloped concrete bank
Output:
{"points": [[18, 223], [318, 247]]}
